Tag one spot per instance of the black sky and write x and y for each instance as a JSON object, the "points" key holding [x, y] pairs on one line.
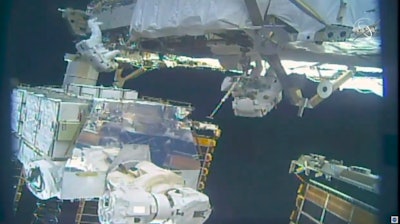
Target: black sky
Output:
{"points": [[249, 180]]}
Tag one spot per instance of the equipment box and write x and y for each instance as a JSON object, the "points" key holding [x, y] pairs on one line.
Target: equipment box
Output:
{"points": [[74, 89], [90, 91], [59, 124], [31, 119], [57, 144], [87, 185], [61, 149], [87, 171], [111, 93], [130, 94], [67, 131]]}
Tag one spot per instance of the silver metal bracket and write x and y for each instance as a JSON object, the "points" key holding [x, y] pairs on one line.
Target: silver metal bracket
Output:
{"points": [[356, 176]]}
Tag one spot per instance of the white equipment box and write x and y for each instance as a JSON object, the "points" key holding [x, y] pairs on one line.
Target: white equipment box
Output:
{"points": [[88, 184], [111, 93], [51, 125], [86, 169], [91, 92], [59, 124], [31, 120]]}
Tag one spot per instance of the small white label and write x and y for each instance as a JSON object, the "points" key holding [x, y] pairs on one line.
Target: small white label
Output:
{"points": [[139, 209], [394, 219]]}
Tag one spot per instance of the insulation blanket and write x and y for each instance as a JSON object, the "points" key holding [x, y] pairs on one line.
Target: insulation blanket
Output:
{"points": [[161, 18]]}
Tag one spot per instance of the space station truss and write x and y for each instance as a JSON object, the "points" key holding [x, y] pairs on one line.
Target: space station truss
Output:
{"points": [[70, 130], [319, 203]]}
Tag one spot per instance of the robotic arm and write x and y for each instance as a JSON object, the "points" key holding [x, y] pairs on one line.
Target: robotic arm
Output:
{"points": [[119, 81]]}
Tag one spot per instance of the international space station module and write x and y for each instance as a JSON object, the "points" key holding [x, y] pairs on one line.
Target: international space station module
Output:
{"points": [[141, 158]]}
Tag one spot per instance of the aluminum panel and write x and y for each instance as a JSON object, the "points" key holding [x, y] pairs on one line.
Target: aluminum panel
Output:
{"points": [[22, 118], [31, 121], [48, 125], [17, 104], [14, 111]]}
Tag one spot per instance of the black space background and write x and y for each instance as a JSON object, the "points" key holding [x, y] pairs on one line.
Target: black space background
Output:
{"points": [[249, 180]]}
